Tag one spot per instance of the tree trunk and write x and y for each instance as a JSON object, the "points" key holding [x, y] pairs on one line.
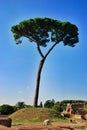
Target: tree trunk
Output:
{"points": [[39, 72], [38, 82]]}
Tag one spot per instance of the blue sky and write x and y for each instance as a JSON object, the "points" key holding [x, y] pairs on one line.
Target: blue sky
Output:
{"points": [[64, 75]]}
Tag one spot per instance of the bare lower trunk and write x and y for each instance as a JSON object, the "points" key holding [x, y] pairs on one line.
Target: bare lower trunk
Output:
{"points": [[39, 72], [38, 82]]}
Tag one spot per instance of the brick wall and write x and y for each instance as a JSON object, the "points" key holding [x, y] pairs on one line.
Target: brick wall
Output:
{"points": [[5, 121]]}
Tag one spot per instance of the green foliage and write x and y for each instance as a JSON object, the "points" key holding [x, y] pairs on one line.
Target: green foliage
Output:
{"points": [[44, 30], [49, 103], [72, 101], [6, 109], [28, 106], [20, 105], [59, 107], [41, 104]]}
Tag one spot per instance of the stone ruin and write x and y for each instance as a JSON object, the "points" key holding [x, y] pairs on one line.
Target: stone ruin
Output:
{"points": [[5, 121], [75, 110], [47, 122]]}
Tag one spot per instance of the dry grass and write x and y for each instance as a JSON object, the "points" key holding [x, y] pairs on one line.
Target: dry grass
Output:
{"points": [[32, 115], [33, 118]]}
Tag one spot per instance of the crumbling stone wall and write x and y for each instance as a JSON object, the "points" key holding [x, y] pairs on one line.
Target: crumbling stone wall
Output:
{"points": [[5, 121], [74, 109], [78, 108]]}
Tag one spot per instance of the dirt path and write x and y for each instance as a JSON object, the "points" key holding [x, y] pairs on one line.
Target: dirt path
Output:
{"points": [[54, 126]]}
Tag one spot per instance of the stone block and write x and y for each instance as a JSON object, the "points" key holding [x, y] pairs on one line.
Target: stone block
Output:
{"points": [[5, 121]]}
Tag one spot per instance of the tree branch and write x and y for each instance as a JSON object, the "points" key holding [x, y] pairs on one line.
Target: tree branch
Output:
{"points": [[50, 50], [40, 52]]}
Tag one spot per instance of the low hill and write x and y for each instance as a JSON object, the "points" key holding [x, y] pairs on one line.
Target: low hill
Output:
{"points": [[33, 114]]}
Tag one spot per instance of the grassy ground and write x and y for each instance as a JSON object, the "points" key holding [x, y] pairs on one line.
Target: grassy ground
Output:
{"points": [[29, 116], [31, 113], [36, 116]]}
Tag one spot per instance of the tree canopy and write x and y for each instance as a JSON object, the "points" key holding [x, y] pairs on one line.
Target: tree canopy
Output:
{"points": [[44, 30]]}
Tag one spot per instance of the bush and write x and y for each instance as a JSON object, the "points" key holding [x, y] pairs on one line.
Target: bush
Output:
{"points": [[6, 109], [49, 103], [58, 107], [20, 105]]}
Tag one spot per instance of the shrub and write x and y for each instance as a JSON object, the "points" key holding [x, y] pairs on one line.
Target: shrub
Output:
{"points": [[6, 109], [49, 103]]}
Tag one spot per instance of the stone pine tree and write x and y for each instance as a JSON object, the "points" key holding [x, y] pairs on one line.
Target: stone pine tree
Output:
{"points": [[44, 31]]}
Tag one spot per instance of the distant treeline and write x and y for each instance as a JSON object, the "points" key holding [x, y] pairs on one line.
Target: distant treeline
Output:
{"points": [[58, 106]]}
